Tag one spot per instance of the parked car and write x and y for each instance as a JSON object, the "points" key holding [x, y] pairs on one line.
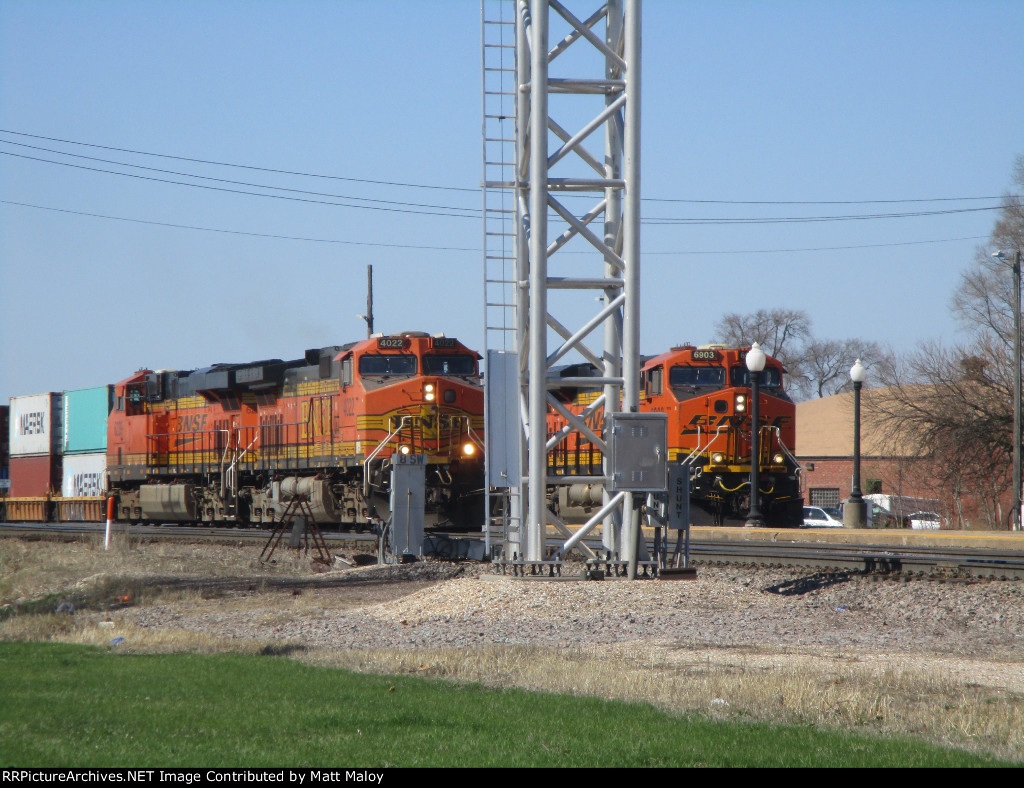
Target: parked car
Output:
{"points": [[818, 517], [927, 521]]}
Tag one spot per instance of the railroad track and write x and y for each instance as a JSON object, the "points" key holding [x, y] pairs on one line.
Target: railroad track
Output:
{"points": [[943, 561], [883, 559]]}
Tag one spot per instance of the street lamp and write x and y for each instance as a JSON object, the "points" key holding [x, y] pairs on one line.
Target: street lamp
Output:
{"points": [[854, 512], [755, 363], [1000, 255]]}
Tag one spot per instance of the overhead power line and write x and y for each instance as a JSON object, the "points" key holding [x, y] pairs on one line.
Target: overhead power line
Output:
{"points": [[246, 166], [208, 187], [477, 249], [475, 190], [241, 232], [225, 180], [468, 213]]}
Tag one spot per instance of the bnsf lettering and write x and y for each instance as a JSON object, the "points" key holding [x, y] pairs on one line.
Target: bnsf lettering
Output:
{"points": [[316, 419], [195, 422], [32, 423], [701, 420]]}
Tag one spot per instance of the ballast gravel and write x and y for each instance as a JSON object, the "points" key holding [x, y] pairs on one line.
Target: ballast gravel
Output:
{"points": [[968, 626]]}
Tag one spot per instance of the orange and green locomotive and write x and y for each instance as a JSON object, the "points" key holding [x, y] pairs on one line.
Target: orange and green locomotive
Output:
{"points": [[706, 393], [236, 443]]}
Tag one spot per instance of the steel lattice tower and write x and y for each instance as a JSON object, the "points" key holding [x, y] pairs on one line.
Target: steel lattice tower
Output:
{"points": [[576, 167]]}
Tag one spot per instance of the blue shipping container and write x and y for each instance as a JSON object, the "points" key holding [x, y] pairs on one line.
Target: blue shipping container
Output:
{"points": [[85, 419]]}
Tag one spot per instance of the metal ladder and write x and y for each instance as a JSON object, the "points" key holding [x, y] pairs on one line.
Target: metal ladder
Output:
{"points": [[498, 48]]}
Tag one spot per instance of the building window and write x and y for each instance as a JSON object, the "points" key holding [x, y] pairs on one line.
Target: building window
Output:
{"points": [[825, 497], [873, 487]]}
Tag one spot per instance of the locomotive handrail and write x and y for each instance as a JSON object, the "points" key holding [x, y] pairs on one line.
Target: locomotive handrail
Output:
{"points": [[785, 449], [373, 455], [472, 434], [698, 450], [232, 486]]}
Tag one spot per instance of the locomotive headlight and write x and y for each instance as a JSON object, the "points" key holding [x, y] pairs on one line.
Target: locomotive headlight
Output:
{"points": [[718, 458], [404, 448], [778, 459], [428, 392], [741, 403], [468, 449]]}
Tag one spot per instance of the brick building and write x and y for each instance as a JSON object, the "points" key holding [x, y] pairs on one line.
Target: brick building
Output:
{"points": [[824, 446]]}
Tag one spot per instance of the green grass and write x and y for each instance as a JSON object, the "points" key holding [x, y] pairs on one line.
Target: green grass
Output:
{"points": [[63, 705]]}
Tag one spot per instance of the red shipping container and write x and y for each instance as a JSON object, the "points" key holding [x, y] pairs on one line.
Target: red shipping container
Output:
{"points": [[33, 477]]}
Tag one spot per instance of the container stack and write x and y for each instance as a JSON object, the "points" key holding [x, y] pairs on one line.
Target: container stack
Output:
{"points": [[84, 447], [5, 451], [35, 430]]}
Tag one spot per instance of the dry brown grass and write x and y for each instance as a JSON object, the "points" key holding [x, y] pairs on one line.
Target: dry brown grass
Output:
{"points": [[787, 688], [927, 697]]}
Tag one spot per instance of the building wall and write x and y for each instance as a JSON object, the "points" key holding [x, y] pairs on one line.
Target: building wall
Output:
{"points": [[911, 477]]}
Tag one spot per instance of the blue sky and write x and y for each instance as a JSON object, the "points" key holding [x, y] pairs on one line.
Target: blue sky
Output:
{"points": [[806, 102]]}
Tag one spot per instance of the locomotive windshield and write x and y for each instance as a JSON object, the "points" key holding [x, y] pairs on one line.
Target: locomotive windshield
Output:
{"points": [[770, 378], [437, 364], [399, 364], [696, 376]]}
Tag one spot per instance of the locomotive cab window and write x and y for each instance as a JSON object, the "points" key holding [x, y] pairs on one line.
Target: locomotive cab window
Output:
{"points": [[690, 377], [448, 364], [398, 364], [771, 378], [135, 396], [654, 378]]}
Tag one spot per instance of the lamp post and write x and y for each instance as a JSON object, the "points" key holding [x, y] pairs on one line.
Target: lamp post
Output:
{"points": [[854, 512], [1000, 255], [755, 363]]}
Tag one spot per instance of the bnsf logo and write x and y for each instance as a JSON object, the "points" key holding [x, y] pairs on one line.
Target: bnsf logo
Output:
{"points": [[191, 422], [32, 423]]}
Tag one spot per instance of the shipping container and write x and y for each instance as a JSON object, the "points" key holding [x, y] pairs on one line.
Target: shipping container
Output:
{"points": [[36, 425], [5, 453], [33, 477], [85, 420], [84, 475], [5, 437]]}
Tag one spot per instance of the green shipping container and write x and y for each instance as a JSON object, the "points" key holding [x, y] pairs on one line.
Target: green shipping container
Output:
{"points": [[85, 419]]}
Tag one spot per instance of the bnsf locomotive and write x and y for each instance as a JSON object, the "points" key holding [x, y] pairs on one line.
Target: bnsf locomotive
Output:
{"points": [[706, 393], [238, 442]]}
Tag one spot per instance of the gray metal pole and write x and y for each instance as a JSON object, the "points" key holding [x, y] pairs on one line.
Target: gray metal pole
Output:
{"points": [[631, 206], [369, 301], [631, 247], [611, 532], [537, 371]]}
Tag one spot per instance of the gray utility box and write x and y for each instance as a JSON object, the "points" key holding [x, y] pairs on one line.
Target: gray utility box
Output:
{"points": [[408, 483], [637, 451]]}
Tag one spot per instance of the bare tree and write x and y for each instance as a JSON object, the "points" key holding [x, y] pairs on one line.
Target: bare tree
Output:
{"points": [[814, 367], [955, 405], [827, 362], [780, 332]]}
